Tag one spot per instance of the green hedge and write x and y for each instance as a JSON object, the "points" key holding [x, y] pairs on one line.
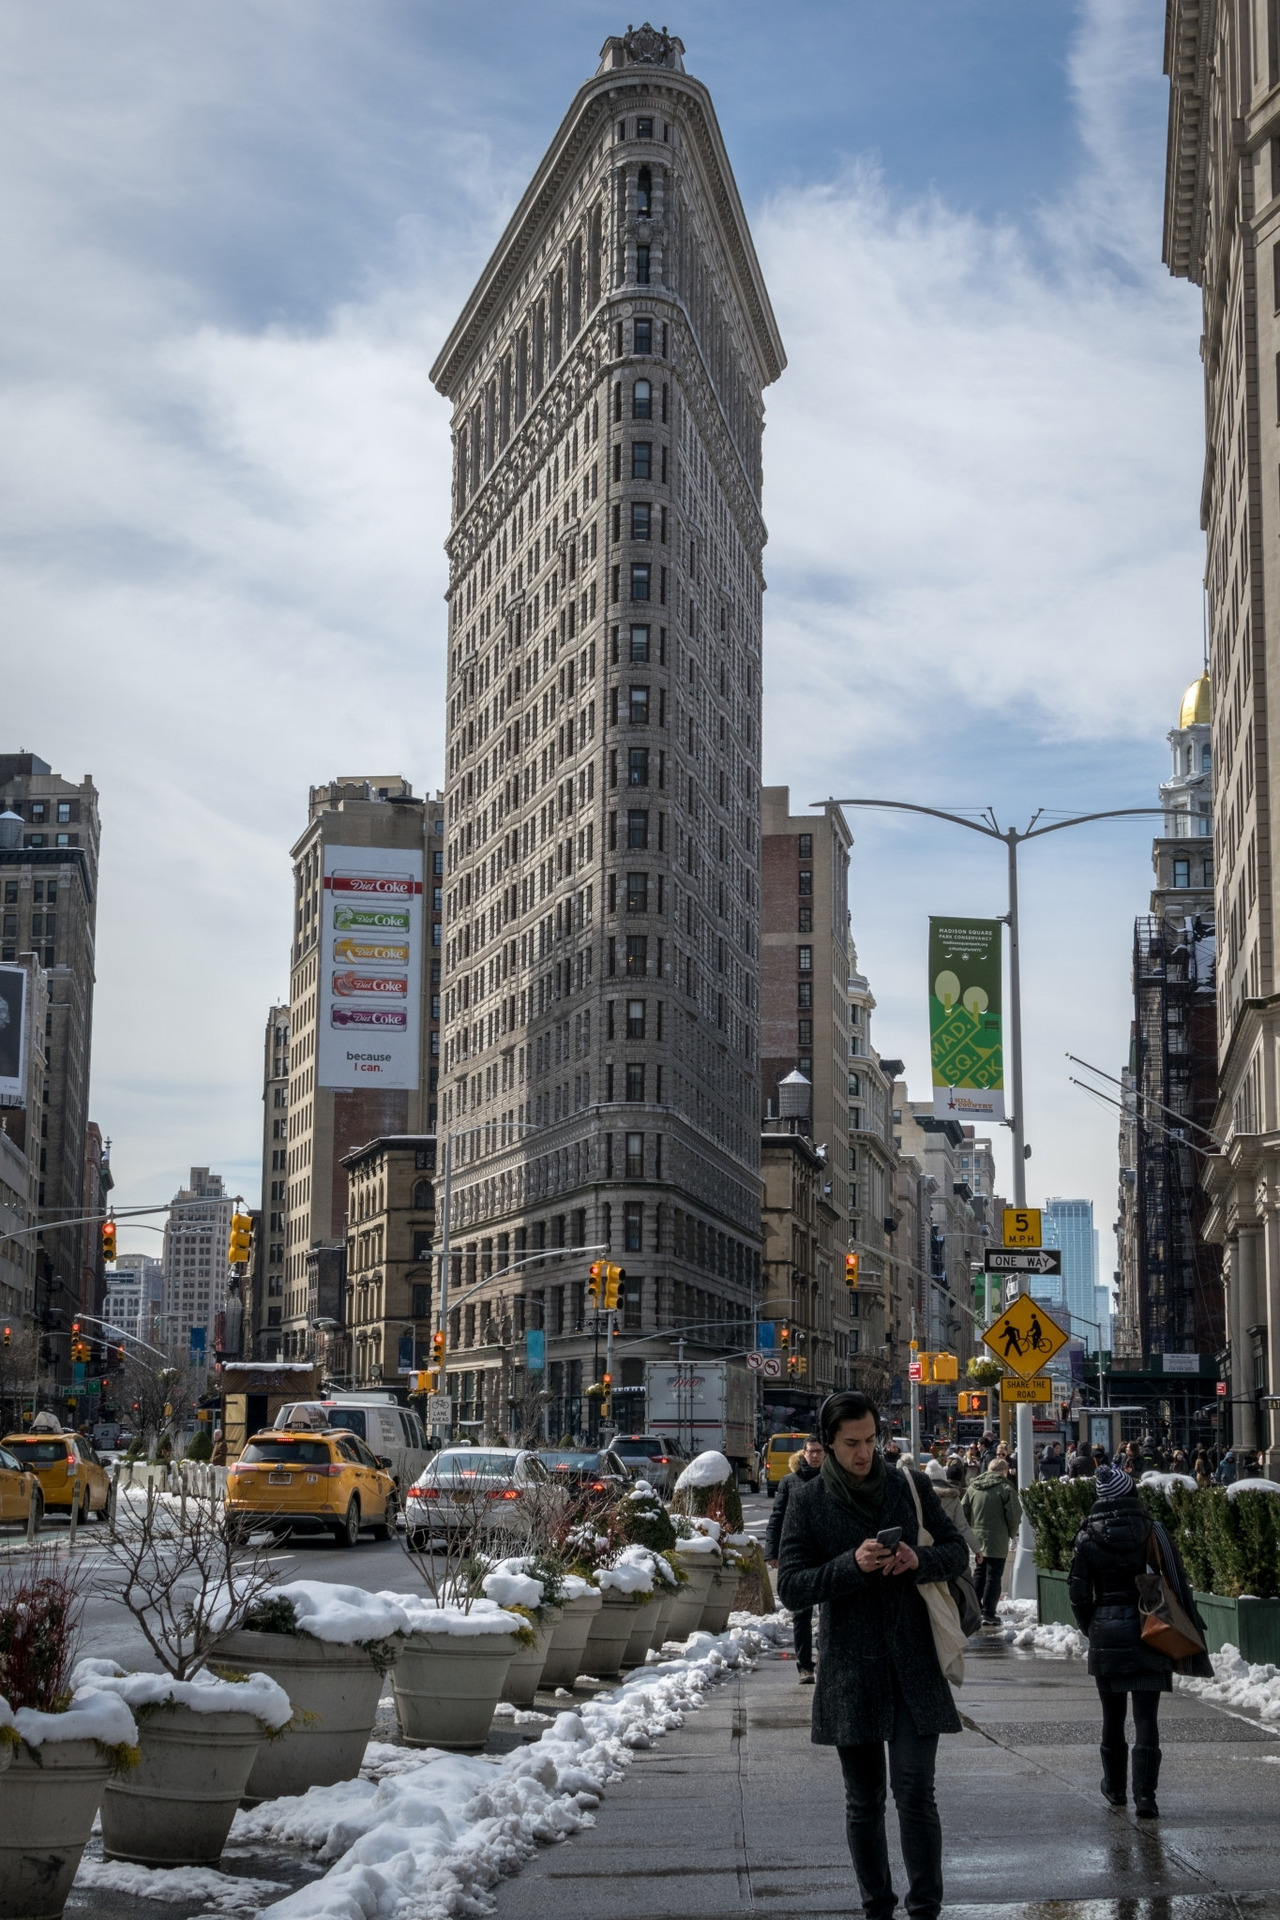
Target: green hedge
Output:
{"points": [[1228, 1546]]}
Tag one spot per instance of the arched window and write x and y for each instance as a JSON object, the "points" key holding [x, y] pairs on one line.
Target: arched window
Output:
{"points": [[423, 1194], [644, 192], [641, 400]]}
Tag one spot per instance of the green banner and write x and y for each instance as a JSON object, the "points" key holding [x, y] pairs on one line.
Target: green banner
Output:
{"points": [[964, 1019]]}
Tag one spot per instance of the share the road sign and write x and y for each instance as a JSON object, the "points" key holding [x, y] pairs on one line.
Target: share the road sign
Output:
{"points": [[1025, 1337], [1022, 1393], [1023, 1260]]}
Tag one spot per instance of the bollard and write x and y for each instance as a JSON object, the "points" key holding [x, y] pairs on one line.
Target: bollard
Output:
{"points": [[113, 1494], [34, 1513], [75, 1513]]}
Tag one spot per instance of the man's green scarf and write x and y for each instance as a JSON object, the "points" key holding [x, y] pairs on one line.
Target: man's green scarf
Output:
{"points": [[863, 1497]]}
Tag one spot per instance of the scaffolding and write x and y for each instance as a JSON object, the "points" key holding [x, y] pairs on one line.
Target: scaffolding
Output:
{"points": [[1175, 1084]]}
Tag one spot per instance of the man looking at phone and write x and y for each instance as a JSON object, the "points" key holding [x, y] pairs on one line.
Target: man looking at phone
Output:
{"points": [[851, 1544], [806, 1467]]}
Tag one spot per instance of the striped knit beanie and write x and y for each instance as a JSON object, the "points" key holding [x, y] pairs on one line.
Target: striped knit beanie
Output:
{"points": [[1112, 1482]]}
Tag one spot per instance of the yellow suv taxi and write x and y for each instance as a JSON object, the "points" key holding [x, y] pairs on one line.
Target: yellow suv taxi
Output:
{"points": [[777, 1457], [306, 1481], [63, 1463], [18, 1487]]}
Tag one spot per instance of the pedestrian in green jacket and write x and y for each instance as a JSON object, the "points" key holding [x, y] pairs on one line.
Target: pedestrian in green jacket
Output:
{"points": [[993, 1510]]}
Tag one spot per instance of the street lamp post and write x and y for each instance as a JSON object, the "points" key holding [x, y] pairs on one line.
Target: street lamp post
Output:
{"points": [[1022, 1584]]}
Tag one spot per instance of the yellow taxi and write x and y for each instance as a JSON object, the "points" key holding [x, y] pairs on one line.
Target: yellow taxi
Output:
{"points": [[17, 1484], [308, 1481], [777, 1458], [63, 1463]]}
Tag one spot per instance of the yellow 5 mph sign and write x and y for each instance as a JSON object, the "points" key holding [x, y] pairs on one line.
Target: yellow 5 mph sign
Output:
{"points": [[1025, 1337], [1022, 1227]]}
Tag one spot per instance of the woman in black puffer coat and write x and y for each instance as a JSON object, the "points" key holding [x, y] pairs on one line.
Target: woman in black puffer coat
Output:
{"points": [[1112, 1548]]}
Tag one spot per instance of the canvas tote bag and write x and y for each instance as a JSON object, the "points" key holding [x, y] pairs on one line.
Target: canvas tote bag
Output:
{"points": [[949, 1636]]}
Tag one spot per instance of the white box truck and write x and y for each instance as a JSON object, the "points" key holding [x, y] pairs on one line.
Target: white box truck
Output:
{"points": [[708, 1406]]}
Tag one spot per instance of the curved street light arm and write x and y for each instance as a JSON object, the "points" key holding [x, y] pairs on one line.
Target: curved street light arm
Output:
{"points": [[910, 806], [1078, 820]]}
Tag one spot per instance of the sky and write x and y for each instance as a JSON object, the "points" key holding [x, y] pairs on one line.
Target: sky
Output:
{"points": [[235, 239]]}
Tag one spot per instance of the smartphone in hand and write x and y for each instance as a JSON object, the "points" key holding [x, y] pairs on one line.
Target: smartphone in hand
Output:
{"points": [[889, 1537]]}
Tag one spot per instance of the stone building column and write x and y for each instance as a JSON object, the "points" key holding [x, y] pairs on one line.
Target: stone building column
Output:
{"points": [[1242, 1297]]}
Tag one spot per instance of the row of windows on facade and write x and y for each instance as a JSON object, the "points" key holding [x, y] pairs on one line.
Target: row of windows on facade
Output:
{"points": [[1182, 873], [39, 812]]}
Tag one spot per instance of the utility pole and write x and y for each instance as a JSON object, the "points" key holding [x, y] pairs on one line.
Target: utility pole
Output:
{"points": [[1022, 1583]]}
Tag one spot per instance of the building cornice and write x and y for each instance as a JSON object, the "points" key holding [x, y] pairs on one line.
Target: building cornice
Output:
{"points": [[1188, 46], [593, 104]]}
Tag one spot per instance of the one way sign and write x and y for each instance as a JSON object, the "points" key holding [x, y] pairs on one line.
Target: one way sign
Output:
{"points": [[1023, 1260]]}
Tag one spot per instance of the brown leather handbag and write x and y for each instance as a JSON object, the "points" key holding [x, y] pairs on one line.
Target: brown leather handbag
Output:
{"points": [[1167, 1628]]}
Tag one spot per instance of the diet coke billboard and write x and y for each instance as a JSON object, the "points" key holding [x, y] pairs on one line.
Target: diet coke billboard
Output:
{"points": [[370, 968]]}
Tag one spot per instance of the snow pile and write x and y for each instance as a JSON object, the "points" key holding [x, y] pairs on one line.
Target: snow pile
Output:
{"points": [[636, 1570], [428, 1833], [1058, 1642], [92, 1715], [343, 1616], [1237, 1683], [220, 1892], [574, 1587], [708, 1469], [512, 1585], [1166, 1482], [775, 1628], [1252, 1486], [421, 1615], [205, 1693]]}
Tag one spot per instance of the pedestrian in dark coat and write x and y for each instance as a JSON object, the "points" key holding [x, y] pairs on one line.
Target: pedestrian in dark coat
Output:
{"points": [[805, 1466], [879, 1681], [1112, 1548]]}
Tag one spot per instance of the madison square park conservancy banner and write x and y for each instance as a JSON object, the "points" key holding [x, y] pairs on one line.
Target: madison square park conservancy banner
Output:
{"points": [[371, 968], [964, 1019], [13, 1022]]}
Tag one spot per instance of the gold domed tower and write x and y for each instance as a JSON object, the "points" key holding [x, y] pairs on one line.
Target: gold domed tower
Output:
{"points": [[1182, 855]]}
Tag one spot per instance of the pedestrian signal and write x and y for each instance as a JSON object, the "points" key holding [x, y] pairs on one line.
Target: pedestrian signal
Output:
{"points": [[613, 1279], [109, 1242], [851, 1269], [240, 1245], [595, 1281]]}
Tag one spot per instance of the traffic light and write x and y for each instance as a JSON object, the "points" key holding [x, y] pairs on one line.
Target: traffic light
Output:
{"points": [[784, 1336], [851, 1269], [8, 1336], [595, 1281], [613, 1279], [945, 1367], [240, 1245], [109, 1242], [606, 1385], [437, 1347]]}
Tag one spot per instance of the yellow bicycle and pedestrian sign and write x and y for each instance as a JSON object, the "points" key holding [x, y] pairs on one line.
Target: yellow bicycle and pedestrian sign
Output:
{"points": [[1025, 1337]]}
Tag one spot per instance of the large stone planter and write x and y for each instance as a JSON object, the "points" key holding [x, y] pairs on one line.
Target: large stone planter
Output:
{"points": [[524, 1675], [686, 1615], [566, 1656], [610, 1632], [46, 1813], [644, 1618], [718, 1604], [667, 1606], [334, 1692], [447, 1686], [176, 1808]]}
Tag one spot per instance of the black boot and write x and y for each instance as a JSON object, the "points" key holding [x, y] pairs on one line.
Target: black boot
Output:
{"points": [[1115, 1771], [1146, 1778]]}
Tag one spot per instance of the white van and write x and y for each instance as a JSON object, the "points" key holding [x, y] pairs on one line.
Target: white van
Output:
{"points": [[390, 1431]]}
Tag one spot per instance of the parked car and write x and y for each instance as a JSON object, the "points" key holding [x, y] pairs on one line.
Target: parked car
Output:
{"points": [[17, 1484], [310, 1482], [477, 1489], [778, 1450], [590, 1471], [61, 1461], [393, 1432], [654, 1457]]}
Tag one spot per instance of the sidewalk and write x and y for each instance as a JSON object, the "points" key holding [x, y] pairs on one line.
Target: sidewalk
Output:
{"points": [[739, 1813]]}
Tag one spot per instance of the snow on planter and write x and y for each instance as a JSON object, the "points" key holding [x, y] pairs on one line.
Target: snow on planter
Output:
{"points": [[256, 1694], [636, 1570], [1252, 1486], [511, 1585], [343, 1616], [708, 1469], [419, 1615], [1166, 1482], [429, 1833], [92, 1715]]}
